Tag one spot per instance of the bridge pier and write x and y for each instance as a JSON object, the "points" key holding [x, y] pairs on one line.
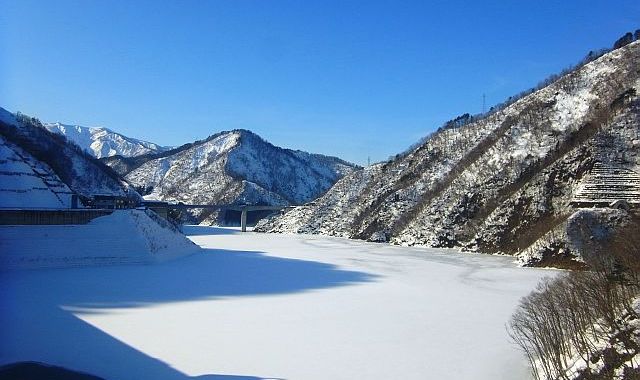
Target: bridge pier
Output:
{"points": [[243, 220], [242, 208]]}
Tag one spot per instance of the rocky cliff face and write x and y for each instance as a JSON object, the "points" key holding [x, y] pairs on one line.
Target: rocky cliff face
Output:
{"points": [[500, 184]]}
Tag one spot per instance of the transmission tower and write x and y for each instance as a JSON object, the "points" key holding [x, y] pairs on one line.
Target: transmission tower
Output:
{"points": [[484, 103]]}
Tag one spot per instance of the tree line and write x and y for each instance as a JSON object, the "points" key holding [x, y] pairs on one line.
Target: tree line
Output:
{"points": [[585, 315]]}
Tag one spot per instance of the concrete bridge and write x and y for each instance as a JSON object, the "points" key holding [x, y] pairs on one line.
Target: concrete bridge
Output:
{"points": [[243, 209]]}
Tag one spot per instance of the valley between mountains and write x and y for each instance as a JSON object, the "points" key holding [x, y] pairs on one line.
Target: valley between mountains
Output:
{"points": [[119, 257]]}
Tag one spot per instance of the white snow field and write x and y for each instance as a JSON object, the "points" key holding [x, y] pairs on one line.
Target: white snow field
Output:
{"points": [[255, 306]]}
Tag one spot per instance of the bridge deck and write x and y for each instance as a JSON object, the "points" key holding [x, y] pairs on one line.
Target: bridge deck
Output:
{"points": [[243, 209], [228, 207]]}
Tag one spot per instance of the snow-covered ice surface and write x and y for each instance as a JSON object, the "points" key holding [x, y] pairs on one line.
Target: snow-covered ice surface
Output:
{"points": [[273, 306]]}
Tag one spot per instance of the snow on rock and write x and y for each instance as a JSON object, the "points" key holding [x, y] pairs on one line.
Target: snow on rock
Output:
{"points": [[174, 170], [102, 142], [124, 237], [322, 215]]}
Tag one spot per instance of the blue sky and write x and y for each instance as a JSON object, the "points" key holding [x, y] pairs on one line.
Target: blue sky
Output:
{"points": [[347, 78]]}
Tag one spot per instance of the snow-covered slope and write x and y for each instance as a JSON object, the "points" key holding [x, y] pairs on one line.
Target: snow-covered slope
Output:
{"points": [[236, 167], [26, 143], [102, 142], [502, 183], [124, 237], [26, 182]]}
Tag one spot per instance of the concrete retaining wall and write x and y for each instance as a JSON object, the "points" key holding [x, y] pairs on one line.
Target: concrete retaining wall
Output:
{"points": [[45, 217]]}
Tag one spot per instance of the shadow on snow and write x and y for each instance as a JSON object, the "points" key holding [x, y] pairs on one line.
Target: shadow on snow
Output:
{"points": [[195, 230], [32, 303], [208, 275]]}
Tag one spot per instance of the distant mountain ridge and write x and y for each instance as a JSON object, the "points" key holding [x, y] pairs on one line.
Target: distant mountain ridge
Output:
{"points": [[231, 167], [103, 142]]}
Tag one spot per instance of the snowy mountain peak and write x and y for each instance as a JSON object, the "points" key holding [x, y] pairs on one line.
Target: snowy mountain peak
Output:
{"points": [[235, 166], [102, 142]]}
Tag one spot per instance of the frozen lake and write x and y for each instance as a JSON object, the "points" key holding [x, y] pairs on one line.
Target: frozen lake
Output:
{"points": [[273, 306]]}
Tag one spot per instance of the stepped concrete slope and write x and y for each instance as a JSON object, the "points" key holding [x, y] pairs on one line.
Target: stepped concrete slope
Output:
{"points": [[80, 172], [124, 237], [26, 182], [606, 184]]}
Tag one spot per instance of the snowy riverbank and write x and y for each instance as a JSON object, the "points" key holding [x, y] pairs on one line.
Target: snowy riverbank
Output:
{"points": [[273, 306]]}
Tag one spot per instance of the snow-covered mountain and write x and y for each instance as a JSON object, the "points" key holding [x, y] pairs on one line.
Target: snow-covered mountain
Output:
{"points": [[39, 168], [235, 167], [102, 142], [501, 182]]}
